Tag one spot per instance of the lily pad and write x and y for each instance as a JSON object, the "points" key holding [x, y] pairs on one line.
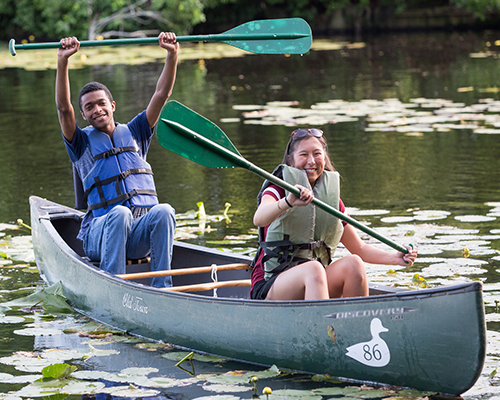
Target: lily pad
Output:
{"points": [[79, 387], [4, 319], [179, 355], [38, 332], [429, 215], [61, 354], [138, 371], [393, 220], [42, 389], [226, 388], [241, 377], [156, 382], [445, 269], [474, 218], [129, 391], [8, 378], [337, 391], [152, 346], [355, 211], [58, 371], [292, 394], [98, 375], [26, 362]]}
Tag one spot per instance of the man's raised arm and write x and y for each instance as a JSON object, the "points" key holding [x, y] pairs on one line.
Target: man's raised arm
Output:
{"points": [[166, 80], [65, 110]]}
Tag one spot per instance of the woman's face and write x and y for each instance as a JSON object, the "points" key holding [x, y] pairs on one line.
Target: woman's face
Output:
{"points": [[309, 155]]}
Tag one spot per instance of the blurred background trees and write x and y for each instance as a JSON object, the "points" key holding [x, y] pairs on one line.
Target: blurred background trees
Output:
{"points": [[89, 19]]}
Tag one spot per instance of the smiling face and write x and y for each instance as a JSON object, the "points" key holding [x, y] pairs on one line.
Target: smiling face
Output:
{"points": [[98, 110], [309, 155]]}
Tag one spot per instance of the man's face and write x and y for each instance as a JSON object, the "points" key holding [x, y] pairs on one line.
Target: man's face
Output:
{"points": [[97, 109]]}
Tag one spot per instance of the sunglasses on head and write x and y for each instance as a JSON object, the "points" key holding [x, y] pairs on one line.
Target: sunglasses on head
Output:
{"points": [[302, 133]]}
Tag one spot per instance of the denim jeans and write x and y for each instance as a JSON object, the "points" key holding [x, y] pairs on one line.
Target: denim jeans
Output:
{"points": [[115, 237]]}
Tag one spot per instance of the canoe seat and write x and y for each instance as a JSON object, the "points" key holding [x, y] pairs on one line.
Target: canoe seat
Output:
{"points": [[144, 260]]}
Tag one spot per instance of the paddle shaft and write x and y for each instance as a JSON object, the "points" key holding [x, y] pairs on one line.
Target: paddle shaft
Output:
{"points": [[221, 37], [243, 163], [184, 271]]}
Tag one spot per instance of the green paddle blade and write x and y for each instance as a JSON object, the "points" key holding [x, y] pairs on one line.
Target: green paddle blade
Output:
{"points": [[173, 131], [272, 36]]}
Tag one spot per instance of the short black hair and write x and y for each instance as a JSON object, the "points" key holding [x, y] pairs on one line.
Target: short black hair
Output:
{"points": [[92, 87]]}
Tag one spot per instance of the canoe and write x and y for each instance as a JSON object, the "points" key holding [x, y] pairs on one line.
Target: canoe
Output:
{"points": [[429, 339]]}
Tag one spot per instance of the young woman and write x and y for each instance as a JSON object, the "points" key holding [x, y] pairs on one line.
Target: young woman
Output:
{"points": [[294, 261]]}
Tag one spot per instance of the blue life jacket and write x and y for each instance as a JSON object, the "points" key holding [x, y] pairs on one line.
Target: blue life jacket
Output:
{"points": [[119, 175]]}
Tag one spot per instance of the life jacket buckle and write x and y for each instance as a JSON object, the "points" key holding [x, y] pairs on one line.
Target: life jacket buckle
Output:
{"points": [[316, 244]]}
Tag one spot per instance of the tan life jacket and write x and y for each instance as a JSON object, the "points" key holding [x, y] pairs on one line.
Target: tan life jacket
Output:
{"points": [[313, 233]]}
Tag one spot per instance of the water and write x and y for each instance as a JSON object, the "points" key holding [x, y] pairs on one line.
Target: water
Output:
{"points": [[428, 168]]}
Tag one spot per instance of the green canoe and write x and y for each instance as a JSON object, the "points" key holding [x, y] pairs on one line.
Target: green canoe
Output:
{"points": [[430, 339]]}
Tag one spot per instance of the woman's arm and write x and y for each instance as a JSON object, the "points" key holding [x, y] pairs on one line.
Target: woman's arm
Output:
{"points": [[374, 255], [270, 208]]}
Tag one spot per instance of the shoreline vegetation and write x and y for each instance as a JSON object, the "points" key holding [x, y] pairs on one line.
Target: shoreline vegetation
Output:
{"points": [[45, 21], [44, 59]]}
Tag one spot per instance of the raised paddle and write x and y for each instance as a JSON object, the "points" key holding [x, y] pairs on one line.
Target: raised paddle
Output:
{"points": [[268, 36], [194, 137]]}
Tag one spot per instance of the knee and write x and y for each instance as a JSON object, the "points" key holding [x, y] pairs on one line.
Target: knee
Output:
{"points": [[120, 214], [162, 214], [316, 271], [356, 266], [162, 211]]}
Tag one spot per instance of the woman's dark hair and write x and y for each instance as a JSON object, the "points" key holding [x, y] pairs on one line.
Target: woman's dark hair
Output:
{"points": [[92, 87], [292, 146]]}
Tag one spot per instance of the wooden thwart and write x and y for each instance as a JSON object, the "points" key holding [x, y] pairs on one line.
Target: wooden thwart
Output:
{"points": [[184, 271], [209, 286]]}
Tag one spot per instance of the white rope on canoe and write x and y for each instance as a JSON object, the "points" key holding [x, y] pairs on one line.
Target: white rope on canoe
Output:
{"points": [[214, 277]]}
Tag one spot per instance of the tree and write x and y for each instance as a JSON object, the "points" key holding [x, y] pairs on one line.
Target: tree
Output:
{"points": [[88, 19], [480, 8]]}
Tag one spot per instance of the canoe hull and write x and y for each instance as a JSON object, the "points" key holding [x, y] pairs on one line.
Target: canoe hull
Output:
{"points": [[424, 344]]}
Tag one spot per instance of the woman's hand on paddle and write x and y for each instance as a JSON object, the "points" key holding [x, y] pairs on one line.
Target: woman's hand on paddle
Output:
{"points": [[168, 41], [304, 199], [408, 258], [70, 46]]}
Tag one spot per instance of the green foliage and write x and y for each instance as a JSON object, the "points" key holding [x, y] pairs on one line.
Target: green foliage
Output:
{"points": [[58, 18], [480, 8], [57, 371], [86, 19]]}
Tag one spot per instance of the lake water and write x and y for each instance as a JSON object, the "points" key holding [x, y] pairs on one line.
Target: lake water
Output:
{"points": [[413, 124]]}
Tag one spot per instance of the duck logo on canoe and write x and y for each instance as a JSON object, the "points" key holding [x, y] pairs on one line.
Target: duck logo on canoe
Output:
{"points": [[374, 353]]}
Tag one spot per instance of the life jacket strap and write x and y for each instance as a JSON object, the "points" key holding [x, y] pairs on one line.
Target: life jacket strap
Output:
{"points": [[98, 184], [121, 198], [114, 151], [286, 252], [115, 178]]}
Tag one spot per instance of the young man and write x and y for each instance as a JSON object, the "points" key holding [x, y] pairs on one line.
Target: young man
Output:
{"points": [[124, 219]]}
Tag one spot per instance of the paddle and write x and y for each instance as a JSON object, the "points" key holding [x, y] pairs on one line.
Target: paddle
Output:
{"points": [[194, 137], [268, 36]]}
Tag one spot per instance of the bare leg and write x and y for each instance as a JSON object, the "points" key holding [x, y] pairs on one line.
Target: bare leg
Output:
{"points": [[307, 281], [347, 277]]}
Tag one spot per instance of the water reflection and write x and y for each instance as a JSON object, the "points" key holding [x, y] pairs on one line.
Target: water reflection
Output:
{"points": [[453, 171]]}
